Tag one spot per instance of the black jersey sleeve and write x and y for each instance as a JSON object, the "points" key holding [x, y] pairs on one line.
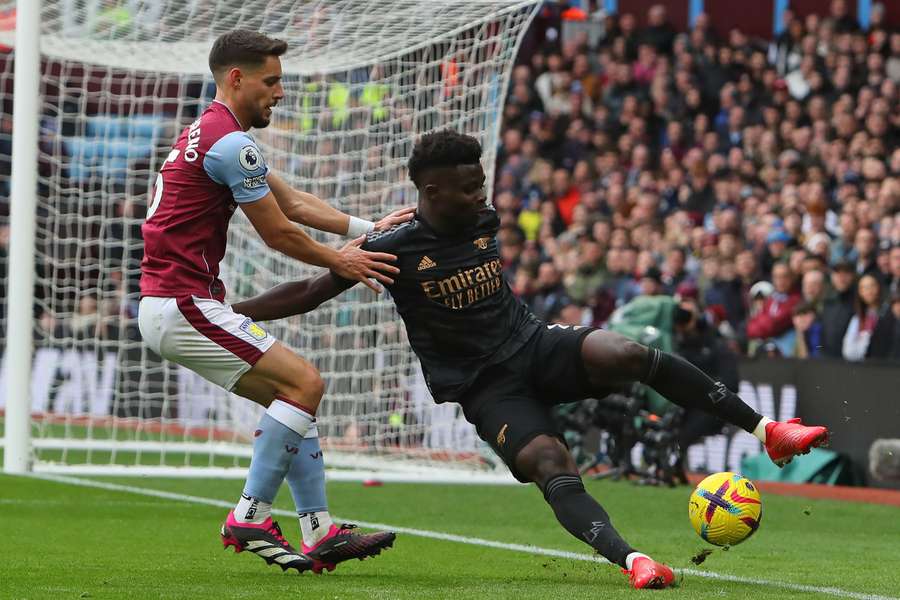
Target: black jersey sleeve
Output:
{"points": [[389, 240]]}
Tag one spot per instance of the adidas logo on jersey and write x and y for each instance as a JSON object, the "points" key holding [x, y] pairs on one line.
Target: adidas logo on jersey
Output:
{"points": [[426, 263]]}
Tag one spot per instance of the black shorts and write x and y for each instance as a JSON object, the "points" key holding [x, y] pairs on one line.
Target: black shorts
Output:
{"points": [[510, 403]]}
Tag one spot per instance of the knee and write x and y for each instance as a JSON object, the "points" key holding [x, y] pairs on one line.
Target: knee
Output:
{"points": [[544, 458], [313, 387], [613, 358], [307, 388], [316, 387], [632, 359], [553, 462]]}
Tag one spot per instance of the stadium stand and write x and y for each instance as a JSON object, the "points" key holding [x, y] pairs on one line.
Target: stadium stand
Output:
{"points": [[676, 161], [699, 163]]}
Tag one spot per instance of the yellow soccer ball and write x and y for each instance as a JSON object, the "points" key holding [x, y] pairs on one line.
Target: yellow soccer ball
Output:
{"points": [[725, 509]]}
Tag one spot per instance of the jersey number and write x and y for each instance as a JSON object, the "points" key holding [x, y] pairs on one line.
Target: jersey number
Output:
{"points": [[158, 186], [157, 196]]}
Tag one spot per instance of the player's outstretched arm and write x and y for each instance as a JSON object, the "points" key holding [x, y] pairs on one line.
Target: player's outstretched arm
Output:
{"points": [[293, 298], [307, 209], [351, 262]]}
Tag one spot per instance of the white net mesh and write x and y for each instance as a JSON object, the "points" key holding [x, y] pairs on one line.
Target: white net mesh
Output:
{"points": [[362, 80]]}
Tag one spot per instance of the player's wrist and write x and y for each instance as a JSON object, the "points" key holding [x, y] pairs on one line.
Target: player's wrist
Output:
{"points": [[337, 260], [359, 227]]}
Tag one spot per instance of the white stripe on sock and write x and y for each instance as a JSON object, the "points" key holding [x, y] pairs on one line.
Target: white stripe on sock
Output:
{"points": [[760, 431], [293, 418], [629, 560]]}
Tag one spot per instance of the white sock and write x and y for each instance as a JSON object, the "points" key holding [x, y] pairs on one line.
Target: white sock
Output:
{"points": [[294, 418], [629, 560], [252, 510], [314, 526], [760, 431]]}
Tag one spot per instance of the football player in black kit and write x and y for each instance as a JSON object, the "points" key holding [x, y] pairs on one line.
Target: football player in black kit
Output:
{"points": [[479, 346]]}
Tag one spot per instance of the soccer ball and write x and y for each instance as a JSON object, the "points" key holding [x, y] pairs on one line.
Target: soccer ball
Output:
{"points": [[725, 509]]}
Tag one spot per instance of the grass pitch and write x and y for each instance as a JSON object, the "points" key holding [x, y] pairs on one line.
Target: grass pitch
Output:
{"points": [[64, 541]]}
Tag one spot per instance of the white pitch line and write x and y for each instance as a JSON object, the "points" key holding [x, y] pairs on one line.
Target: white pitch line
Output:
{"points": [[449, 537]]}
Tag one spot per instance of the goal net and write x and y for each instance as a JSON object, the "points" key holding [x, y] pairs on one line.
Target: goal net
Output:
{"points": [[363, 79]]}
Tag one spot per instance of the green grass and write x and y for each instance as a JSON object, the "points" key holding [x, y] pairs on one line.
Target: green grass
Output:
{"points": [[62, 541]]}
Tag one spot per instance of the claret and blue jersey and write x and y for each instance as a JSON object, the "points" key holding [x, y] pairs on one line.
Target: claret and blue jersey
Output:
{"points": [[212, 167]]}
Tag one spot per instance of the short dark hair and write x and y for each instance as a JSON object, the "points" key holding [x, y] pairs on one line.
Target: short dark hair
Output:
{"points": [[845, 266], [804, 307], [444, 148], [243, 47]]}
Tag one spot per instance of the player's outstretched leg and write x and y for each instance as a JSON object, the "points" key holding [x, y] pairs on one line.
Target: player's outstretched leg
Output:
{"points": [[610, 358], [324, 542], [546, 461]]}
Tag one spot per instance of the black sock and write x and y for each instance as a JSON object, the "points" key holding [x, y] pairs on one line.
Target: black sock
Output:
{"points": [[584, 518], [686, 385]]}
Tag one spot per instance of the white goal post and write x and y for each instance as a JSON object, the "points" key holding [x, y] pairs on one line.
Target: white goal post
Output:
{"points": [[102, 87]]}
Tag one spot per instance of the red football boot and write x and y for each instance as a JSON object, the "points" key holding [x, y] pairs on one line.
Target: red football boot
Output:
{"points": [[784, 440], [647, 574]]}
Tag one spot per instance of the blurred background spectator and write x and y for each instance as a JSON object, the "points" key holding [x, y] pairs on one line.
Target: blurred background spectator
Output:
{"points": [[866, 314]]}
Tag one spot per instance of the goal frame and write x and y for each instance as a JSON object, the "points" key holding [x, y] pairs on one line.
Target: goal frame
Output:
{"points": [[23, 202], [17, 442]]}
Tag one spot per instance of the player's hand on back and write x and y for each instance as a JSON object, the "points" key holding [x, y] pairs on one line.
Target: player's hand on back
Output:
{"points": [[357, 264], [395, 218]]}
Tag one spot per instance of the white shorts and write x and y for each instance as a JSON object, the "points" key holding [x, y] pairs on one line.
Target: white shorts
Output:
{"points": [[203, 335]]}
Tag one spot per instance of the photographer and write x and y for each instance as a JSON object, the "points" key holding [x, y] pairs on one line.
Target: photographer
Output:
{"points": [[698, 342]]}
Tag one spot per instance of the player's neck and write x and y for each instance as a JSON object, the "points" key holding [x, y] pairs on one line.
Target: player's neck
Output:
{"points": [[232, 106], [434, 222]]}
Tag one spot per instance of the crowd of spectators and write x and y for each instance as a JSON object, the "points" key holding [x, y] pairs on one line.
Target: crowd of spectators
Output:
{"points": [[760, 179]]}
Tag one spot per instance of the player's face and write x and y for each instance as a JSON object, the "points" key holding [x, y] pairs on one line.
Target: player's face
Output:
{"points": [[460, 195], [261, 90]]}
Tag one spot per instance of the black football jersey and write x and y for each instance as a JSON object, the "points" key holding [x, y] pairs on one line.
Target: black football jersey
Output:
{"points": [[460, 314]]}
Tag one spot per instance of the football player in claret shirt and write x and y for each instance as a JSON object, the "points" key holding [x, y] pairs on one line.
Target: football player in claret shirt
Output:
{"points": [[479, 346], [213, 168]]}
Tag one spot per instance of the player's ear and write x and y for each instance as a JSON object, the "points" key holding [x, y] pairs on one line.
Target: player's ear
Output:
{"points": [[431, 190], [233, 77]]}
